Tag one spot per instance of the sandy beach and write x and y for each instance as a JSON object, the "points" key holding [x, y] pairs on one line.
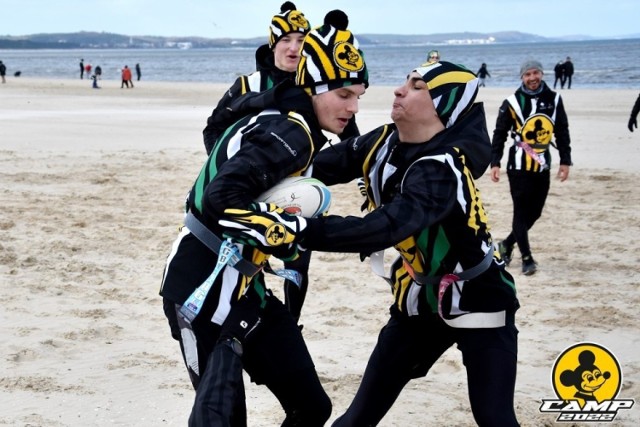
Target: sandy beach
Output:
{"points": [[92, 184]]}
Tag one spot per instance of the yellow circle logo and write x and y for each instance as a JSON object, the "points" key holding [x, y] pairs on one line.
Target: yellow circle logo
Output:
{"points": [[347, 57], [537, 131], [586, 372], [276, 234], [297, 19]]}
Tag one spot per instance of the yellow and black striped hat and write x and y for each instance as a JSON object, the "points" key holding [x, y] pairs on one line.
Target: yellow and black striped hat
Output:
{"points": [[331, 57], [289, 20], [452, 87]]}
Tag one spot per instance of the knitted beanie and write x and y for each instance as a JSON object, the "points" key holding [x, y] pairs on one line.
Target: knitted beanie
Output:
{"points": [[330, 57], [289, 20], [530, 64], [452, 87]]}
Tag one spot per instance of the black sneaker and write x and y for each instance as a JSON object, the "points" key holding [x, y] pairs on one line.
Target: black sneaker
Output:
{"points": [[505, 252], [529, 266]]}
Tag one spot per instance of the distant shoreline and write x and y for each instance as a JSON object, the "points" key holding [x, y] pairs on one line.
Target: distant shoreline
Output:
{"points": [[387, 64], [101, 40]]}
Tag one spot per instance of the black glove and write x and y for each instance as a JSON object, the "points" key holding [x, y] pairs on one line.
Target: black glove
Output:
{"points": [[290, 252], [265, 227], [632, 123]]}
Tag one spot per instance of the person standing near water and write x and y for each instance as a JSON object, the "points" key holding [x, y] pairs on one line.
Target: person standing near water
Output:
{"points": [[3, 71], [482, 73]]}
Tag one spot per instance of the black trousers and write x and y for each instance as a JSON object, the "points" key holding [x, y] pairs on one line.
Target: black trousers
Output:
{"points": [[294, 296], [275, 355], [407, 347], [558, 79], [529, 192]]}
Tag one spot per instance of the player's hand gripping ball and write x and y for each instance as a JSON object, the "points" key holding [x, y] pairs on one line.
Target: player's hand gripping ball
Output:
{"points": [[265, 227]]}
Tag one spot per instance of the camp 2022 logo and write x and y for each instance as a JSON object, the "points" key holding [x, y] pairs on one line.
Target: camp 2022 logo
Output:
{"points": [[586, 379]]}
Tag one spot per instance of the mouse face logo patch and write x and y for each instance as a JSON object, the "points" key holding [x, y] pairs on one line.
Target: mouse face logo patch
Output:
{"points": [[347, 57], [297, 19], [586, 379], [276, 234], [537, 131]]}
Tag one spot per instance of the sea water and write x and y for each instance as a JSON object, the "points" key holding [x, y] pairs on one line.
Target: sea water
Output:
{"points": [[605, 64]]}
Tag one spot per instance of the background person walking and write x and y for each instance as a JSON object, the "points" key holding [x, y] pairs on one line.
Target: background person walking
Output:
{"points": [[532, 115], [559, 74], [568, 71], [482, 74], [126, 77]]}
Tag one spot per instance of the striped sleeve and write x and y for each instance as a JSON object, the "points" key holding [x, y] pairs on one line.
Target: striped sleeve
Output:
{"points": [[428, 195]]}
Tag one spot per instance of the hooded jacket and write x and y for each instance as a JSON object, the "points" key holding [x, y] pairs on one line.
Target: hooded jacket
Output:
{"points": [[275, 134], [425, 204]]}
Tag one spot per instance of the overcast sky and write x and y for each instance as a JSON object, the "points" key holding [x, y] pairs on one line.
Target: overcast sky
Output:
{"points": [[250, 18]]}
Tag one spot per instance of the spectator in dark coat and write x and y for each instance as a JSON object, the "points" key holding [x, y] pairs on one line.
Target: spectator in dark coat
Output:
{"points": [[482, 74], [3, 71], [568, 71], [559, 70]]}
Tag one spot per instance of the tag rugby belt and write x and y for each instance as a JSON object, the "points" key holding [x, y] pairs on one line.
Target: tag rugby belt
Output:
{"points": [[213, 242]]}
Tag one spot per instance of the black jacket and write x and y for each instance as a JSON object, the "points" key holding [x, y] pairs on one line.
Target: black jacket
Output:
{"points": [[511, 119], [275, 134], [425, 205], [568, 68]]}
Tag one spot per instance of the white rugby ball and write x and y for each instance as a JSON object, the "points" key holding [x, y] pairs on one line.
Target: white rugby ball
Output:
{"points": [[299, 195]]}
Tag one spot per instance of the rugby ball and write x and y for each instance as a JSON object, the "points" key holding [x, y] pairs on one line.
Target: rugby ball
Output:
{"points": [[299, 195]]}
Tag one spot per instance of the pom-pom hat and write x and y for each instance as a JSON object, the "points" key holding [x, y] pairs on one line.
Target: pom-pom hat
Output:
{"points": [[452, 87], [289, 20], [331, 57]]}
